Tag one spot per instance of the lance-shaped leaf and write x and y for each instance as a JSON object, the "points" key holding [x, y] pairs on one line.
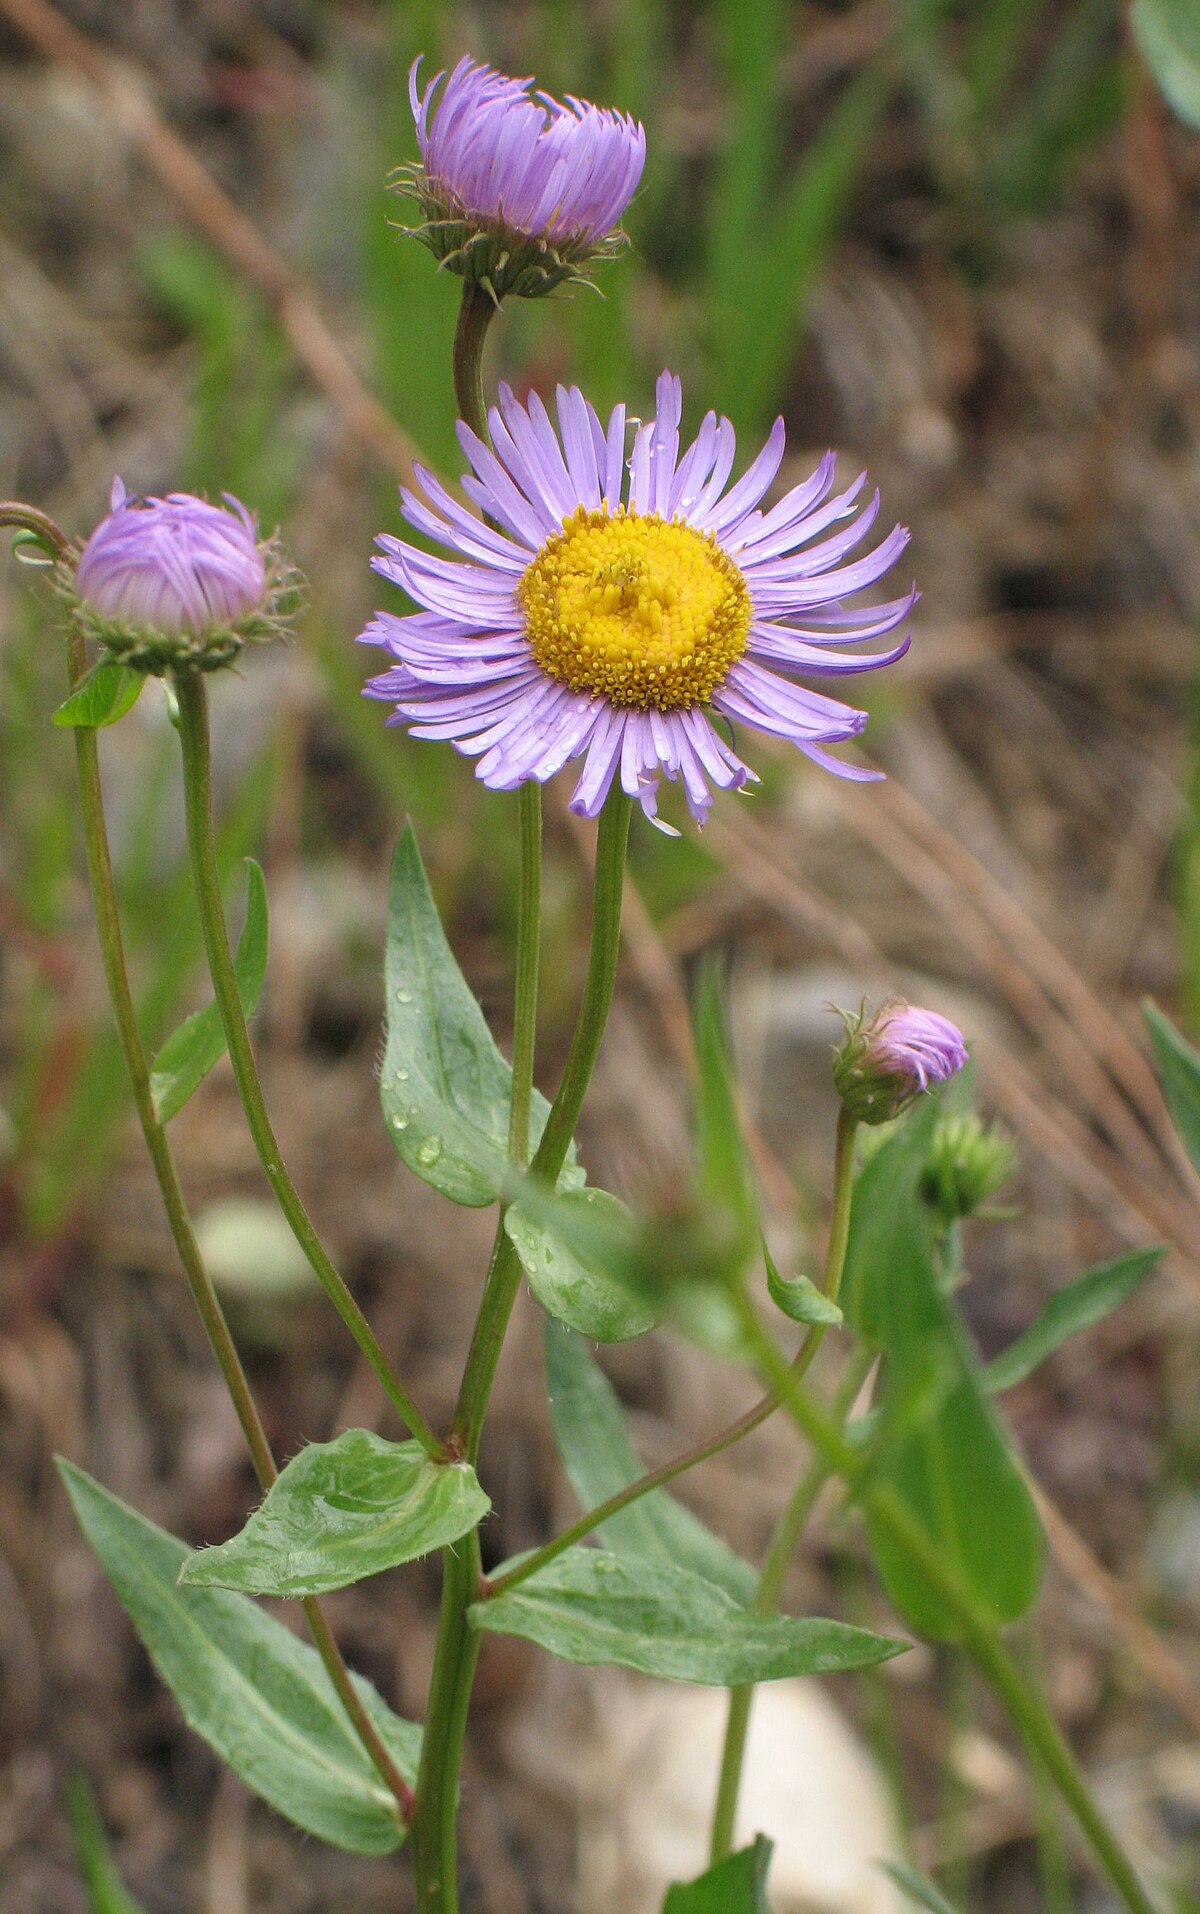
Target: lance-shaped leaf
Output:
{"points": [[191, 1051], [592, 1607], [106, 694], [444, 1086], [600, 1460], [1076, 1306], [736, 1885], [243, 1681], [341, 1511], [1179, 1072], [568, 1281]]}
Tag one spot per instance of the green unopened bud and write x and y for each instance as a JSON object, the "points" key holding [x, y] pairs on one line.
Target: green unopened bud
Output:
{"points": [[968, 1161]]}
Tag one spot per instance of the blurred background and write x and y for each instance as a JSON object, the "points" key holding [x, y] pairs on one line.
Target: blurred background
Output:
{"points": [[956, 239]]}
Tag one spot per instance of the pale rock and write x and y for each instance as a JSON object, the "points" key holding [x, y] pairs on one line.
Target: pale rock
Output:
{"points": [[809, 1783]]}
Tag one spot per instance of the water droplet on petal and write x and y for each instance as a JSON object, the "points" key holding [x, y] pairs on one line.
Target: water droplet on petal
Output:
{"points": [[429, 1151], [404, 996], [399, 1123]]}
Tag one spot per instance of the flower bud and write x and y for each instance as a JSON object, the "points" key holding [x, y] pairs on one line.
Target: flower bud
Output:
{"points": [[169, 583], [518, 192], [968, 1161], [884, 1063]]}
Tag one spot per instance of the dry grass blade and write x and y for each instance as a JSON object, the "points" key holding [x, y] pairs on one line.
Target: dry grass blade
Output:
{"points": [[215, 214]]}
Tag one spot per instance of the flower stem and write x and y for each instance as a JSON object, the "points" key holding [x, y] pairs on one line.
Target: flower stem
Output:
{"points": [[434, 1843], [435, 1816], [980, 1634], [504, 1275], [435, 1856], [792, 1522], [475, 315], [212, 1316], [197, 778]]}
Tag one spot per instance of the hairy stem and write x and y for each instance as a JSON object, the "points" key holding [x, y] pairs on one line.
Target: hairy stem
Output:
{"points": [[197, 776], [212, 1316]]}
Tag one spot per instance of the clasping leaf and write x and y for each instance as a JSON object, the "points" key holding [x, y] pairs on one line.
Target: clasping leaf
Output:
{"points": [[799, 1298], [107, 692], [257, 1695], [444, 1086], [341, 1511], [565, 1266]]}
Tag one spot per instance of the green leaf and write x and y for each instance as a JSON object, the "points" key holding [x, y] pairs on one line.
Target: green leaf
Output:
{"points": [[677, 1266], [950, 1462], [599, 1459], [1168, 33], [798, 1297], [921, 1892], [736, 1885], [569, 1283], [256, 1694], [1179, 1073], [1076, 1306], [191, 1051], [341, 1511], [103, 1885], [959, 1478], [107, 692], [593, 1607], [444, 1086], [888, 1221]]}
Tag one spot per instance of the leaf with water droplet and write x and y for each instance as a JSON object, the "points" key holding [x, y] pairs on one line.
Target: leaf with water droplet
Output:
{"points": [[341, 1511], [567, 1282], [443, 1080]]}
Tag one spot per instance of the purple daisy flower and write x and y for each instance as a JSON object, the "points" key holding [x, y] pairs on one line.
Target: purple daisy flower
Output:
{"points": [[165, 581], [518, 190], [620, 612], [886, 1063]]}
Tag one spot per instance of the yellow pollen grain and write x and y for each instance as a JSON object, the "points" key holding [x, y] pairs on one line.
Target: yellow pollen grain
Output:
{"points": [[647, 611]]}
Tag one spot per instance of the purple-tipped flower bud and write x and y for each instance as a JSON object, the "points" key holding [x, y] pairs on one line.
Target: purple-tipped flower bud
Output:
{"points": [[885, 1062], [519, 192], [172, 582]]}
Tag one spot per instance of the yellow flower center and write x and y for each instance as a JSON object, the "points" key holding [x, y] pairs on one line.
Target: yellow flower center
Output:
{"points": [[642, 609]]}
